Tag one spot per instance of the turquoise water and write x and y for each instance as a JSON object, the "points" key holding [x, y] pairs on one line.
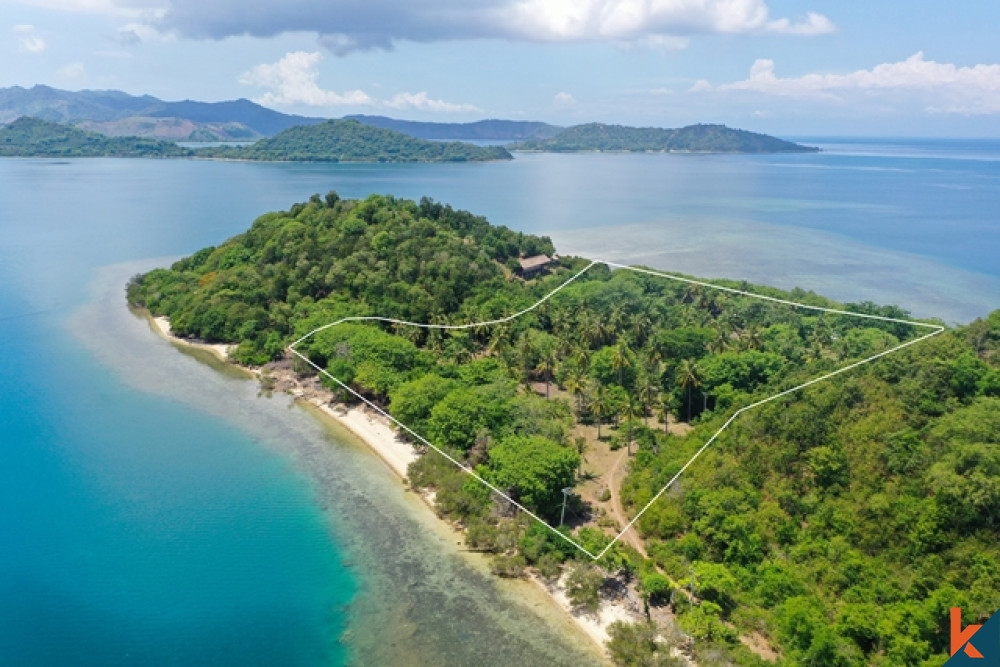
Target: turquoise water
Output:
{"points": [[156, 511]]}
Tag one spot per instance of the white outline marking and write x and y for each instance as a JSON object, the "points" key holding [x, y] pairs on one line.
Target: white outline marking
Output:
{"points": [[372, 318]]}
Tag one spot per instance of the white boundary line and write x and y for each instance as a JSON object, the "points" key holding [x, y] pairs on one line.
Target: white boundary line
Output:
{"points": [[291, 348]]}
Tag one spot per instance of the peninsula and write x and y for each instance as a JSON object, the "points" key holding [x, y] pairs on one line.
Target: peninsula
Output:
{"points": [[833, 526]]}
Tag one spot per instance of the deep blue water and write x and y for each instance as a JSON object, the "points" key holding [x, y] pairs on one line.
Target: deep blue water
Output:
{"points": [[135, 530], [173, 524]]}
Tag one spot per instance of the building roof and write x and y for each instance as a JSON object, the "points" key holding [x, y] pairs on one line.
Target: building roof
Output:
{"points": [[528, 263]]}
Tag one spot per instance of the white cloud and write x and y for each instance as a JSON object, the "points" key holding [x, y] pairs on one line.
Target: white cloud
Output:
{"points": [[422, 102], [348, 25], [563, 20], [72, 71], [943, 87], [28, 40], [292, 80], [563, 100], [815, 24]]}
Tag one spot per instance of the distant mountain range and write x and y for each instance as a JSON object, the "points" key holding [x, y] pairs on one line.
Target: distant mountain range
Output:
{"points": [[115, 113]]}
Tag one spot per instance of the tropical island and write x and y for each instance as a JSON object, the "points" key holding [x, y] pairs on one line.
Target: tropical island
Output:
{"points": [[32, 137], [349, 140], [835, 526], [370, 139], [691, 139], [330, 141]]}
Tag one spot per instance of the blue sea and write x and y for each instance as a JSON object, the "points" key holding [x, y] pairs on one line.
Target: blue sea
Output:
{"points": [[155, 509]]}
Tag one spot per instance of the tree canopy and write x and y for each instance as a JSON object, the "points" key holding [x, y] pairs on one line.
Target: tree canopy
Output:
{"points": [[837, 523], [348, 140]]}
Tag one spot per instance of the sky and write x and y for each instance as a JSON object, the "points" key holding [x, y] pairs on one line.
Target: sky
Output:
{"points": [[803, 68]]}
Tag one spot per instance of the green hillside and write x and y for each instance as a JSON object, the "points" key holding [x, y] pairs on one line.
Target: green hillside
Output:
{"points": [[835, 526], [481, 130], [31, 137], [693, 138], [352, 141]]}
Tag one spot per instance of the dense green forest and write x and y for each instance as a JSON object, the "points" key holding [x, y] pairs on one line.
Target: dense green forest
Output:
{"points": [[348, 140], [693, 138], [31, 137], [835, 526]]}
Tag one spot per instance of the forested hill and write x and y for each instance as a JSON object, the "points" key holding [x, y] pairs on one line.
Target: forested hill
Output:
{"points": [[351, 141], [693, 138], [834, 526], [31, 137], [480, 130]]}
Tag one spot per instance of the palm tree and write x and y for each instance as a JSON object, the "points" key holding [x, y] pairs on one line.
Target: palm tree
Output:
{"points": [[721, 341], [751, 338], [581, 447], [641, 326], [546, 365], [584, 327], [692, 293], [575, 384], [581, 355], [599, 406], [526, 350], [621, 359], [647, 393], [663, 411], [654, 358], [616, 318], [688, 379], [630, 412], [435, 335], [498, 340]]}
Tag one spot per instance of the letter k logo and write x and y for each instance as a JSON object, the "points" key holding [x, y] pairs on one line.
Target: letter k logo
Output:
{"points": [[960, 636]]}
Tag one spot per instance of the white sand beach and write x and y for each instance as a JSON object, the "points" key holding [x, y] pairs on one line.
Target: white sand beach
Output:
{"points": [[162, 326], [374, 430], [595, 624]]}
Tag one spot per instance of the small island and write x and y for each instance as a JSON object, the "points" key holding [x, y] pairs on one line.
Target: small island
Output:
{"points": [[33, 137], [690, 139], [816, 529], [349, 140]]}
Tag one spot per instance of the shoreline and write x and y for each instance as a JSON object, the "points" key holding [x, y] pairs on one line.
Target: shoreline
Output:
{"points": [[374, 431], [161, 325]]}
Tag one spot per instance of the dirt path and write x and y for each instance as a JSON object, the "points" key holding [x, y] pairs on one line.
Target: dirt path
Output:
{"points": [[631, 536]]}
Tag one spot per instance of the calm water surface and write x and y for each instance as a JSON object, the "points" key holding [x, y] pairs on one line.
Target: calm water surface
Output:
{"points": [[156, 511]]}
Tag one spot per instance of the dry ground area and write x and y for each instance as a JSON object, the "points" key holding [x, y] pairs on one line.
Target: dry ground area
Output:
{"points": [[604, 469]]}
